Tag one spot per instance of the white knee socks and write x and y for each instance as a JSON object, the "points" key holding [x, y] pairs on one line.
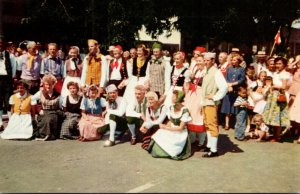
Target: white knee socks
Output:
{"points": [[112, 130], [132, 130]]}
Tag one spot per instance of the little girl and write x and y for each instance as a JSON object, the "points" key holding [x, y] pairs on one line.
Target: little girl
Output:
{"points": [[91, 119], [261, 131]]}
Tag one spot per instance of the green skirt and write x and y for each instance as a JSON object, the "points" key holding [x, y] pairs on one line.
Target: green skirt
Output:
{"points": [[157, 152]]}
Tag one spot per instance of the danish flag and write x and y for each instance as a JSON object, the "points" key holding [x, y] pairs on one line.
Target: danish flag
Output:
{"points": [[277, 38]]}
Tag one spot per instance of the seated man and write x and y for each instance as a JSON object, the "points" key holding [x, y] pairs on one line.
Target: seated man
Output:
{"points": [[135, 112], [114, 115]]}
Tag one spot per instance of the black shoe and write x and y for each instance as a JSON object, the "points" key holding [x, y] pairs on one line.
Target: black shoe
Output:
{"points": [[210, 154], [1, 128], [203, 148]]}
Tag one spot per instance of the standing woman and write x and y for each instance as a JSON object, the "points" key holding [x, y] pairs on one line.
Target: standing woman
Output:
{"points": [[180, 77], [72, 70], [48, 119], [137, 73], [193, 100], [276, 113], [20, 123], [172, 140], [235, 76]]}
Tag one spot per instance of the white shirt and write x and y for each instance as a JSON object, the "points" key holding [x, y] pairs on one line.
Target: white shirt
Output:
{"points": [[120, 111], [280, 76], [13, 64], [222, 86]]}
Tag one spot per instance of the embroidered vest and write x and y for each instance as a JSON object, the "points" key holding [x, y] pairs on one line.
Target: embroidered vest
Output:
{"points": [[93, 75], [97, 109], [143, 68], [22, 106], [76, 72]]}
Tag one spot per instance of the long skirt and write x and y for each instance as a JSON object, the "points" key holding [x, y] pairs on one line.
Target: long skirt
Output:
{"points": [[88, 127], [276, 113], [134, 81], [65, 91], [173, 144], [48, 123], [19, 127], [69, 126], [193, 103]]}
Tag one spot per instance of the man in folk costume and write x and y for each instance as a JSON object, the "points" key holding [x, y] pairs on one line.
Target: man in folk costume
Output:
{"points": [[223, 62], [159, 73], [53, 65], [115, 121], [214, 88], [118, 70], [94, 70], [29, 67], [136, 112], [260, 64], [7, 74]]}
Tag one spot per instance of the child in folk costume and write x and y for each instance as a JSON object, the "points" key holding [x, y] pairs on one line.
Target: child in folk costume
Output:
{"points": [[20, 123], [71, 106], [91, 119], [193, 102], [172, 139]]}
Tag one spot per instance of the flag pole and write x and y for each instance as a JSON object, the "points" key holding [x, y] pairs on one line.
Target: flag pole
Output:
{"points": [[274, 43]]}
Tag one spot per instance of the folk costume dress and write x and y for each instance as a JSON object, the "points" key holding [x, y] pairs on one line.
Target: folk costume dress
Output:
{"points": [[179, 75], [193, 103], [72, 72], [69, 126], [153, 119], [172, 144], [20, 123], [88, 125], [137, 76]]}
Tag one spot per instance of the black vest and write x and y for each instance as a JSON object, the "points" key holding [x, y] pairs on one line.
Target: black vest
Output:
{"points": [[73, 108], [180, 80], [143, 69], [8, 66]]}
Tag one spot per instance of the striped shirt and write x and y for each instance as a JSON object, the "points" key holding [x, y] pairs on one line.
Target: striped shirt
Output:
{"points": [[239, 101]]}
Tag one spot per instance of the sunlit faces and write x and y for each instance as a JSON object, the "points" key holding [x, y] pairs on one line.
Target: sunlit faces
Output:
{"points": [[250, 73], [93, 94], [21, 89], [93, 48], [73, 53], [73, 89], [235, 61], [133, 53], [112, 95], [117, 53], [197, 53], [242, 92], [151, 101], [200, 62], [209, 62], [262, 76], [48, 86], [140, 52], [279, 65], [157, 52], [178, 59], [32, 50], [52, 50], [222, 58], [139, 95]]}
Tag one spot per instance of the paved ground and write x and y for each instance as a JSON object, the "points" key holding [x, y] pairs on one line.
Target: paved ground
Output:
{"points": [[72, 166]]}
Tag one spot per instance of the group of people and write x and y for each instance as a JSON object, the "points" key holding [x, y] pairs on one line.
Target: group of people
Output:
{"points": [[165, 103]]}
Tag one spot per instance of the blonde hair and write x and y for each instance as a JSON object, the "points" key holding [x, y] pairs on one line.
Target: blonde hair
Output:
{"points": [[140, 88], [50, 79], [258, 117], [152, 94]]}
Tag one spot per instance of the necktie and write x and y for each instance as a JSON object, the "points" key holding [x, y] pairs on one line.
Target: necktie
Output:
{"points": [[140, 107], [1, 56], [115, 65], [30, 60]]}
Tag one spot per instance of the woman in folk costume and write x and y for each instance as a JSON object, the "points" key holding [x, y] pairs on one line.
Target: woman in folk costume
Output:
{"points": [[50, 113], [72, 70], [91, 119], [180, 77], [155, 114], [137, 73], [276, 113], [196, 53], [172, 139], [94, 68], [20, 123], [71, 106], [193, 103]]}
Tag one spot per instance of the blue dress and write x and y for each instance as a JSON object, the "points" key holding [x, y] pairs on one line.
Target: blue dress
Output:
{"points": [[233, 74]]}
